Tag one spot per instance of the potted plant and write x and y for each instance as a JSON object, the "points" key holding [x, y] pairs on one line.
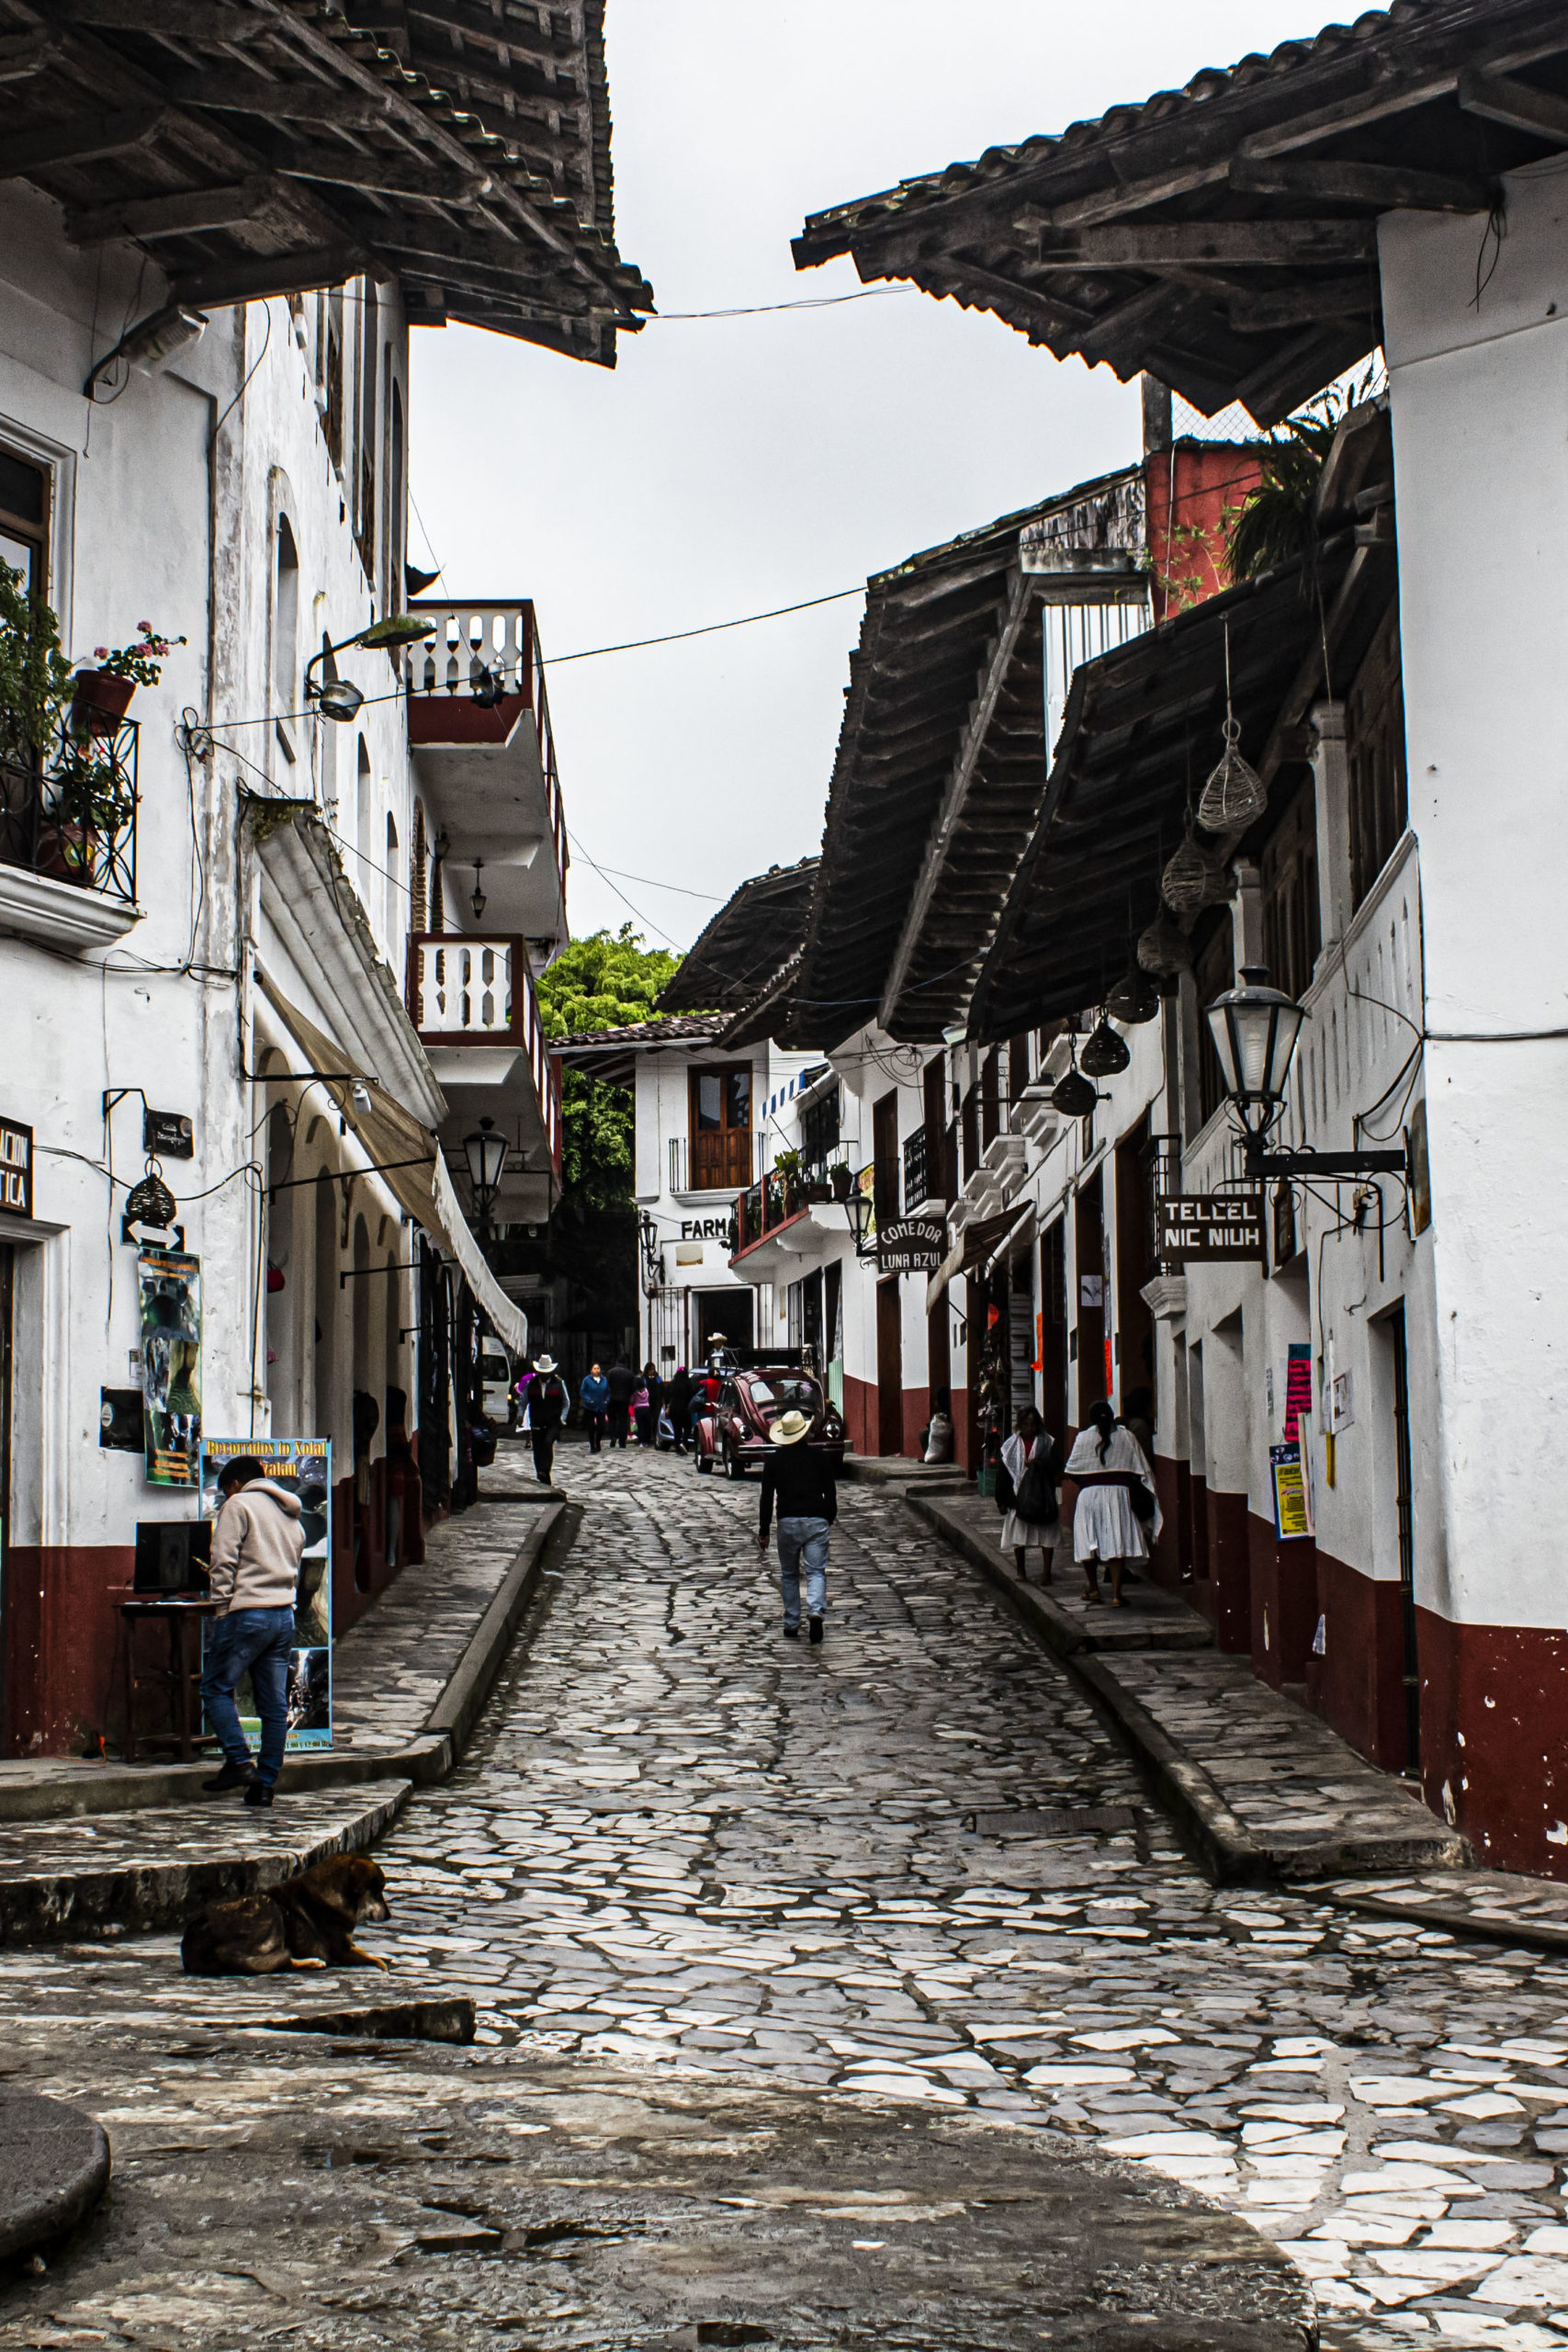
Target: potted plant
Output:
{"points": [[89, 797], [842, 1177], [35, 677], [787, 1169], [103, 696]]}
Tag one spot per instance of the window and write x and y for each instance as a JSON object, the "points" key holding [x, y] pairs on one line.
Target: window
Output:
{"points": [[1374, 742], [362, 838], [419, 887], [394, 879], [1292, 915], [284, 635], [819, 1127], [885, 1156], [332, 378], [396, 532], [720, 1134], [990, 1097], [1018, 1065], [367, 410], [1215, 971], [938, 1131], [24, 519]]}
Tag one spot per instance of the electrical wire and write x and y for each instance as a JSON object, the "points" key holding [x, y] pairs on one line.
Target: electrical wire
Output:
{"points": [[713, 629], [760, 310], [245, 386]]}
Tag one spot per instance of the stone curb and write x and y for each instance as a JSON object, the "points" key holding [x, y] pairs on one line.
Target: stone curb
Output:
{"points": [[451, 2017], [139, 1898], [54, 2168], [424, 1760], [1229, 1852], [1521, 1935]]}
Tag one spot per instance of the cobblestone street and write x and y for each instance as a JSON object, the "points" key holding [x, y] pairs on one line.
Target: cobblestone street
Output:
{"points": [[689, 1863]]}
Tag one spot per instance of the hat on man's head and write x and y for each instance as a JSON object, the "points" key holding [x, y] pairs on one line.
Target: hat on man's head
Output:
{"points": [[790, 1427], [544, 1363]]}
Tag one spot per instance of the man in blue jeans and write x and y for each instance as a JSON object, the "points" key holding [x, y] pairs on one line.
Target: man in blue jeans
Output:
{"points": [[801, 1482], [257, 1544]]}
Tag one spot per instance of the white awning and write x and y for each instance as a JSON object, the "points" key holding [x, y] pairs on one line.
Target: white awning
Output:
{"points": [[407, 1156]]}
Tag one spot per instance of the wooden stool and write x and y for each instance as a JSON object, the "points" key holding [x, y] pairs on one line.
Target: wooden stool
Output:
{"points": [[183, 1619]]}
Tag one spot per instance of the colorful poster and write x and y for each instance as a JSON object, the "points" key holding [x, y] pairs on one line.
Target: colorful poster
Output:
{"points": [[1298, 1387], [1293, 1519], [304, 1465], [170, 1286]]}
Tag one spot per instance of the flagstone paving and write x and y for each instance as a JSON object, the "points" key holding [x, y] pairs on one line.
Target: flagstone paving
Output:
{"points": [[685, 1851]]}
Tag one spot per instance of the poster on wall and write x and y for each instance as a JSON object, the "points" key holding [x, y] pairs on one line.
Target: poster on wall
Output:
{"points": [[1293, 1502], [170, 1289], [303, 1466], [1298, 1387]]}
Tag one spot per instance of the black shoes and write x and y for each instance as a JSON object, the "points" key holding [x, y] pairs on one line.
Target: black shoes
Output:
{"points": [[258, 1792], [816, 1626], [233, 1776], [791, 1633]]}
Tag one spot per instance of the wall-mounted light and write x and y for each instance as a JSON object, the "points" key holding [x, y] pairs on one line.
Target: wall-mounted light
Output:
{"points": [[1256, 1029], [477, 897], [335, 697]]}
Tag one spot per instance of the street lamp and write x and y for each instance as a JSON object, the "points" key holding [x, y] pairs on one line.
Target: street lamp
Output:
{"points": [[861, 1209], [486, 1155], [1256, 1029], [336, 697]]}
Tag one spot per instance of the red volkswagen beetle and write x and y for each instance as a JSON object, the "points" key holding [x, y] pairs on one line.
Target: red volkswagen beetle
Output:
{"points": [[733, 1429]]}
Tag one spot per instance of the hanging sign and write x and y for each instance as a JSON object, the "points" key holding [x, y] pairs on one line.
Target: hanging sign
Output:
{"points": [[1293, 1508], [909, 1245], [1298, 1387], [16, 1169], [303, 1466], [1209, 1225], [170, 1287]]}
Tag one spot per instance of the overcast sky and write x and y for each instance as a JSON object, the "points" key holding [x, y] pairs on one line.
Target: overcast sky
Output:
{"points": [[729, 465]]}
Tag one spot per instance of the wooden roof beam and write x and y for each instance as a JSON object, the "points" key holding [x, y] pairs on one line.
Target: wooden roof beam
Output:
{"points": [[1500, 98], [253, 280], [81, 140], [1019, 607], [1384, 188], [238, 91], [1227, 244], [183, 214], [22, 55], [1298, 303]]}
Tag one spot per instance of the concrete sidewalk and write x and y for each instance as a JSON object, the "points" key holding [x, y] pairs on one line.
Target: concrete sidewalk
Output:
{"points": [[1263, 1790], [106, 1849]]}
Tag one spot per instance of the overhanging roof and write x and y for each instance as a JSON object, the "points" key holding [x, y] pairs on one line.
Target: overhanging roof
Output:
{"points": [[935, 784], [612, 1053], [753, 933], [258, 147], [1222, 236], [1143, 727]]}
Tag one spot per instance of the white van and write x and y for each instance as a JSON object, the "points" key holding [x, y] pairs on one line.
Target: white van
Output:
{"points": [[495, 1371]]}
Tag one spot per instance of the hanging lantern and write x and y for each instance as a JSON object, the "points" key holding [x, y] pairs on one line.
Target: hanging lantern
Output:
{"points": [[1194, 879], [1074, 1095], [1104, 1052], [1133, 999], [151, 1202], [1233, 794], [1163, 949]]}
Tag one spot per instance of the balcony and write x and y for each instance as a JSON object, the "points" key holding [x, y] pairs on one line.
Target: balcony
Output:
{"points": [[776, 1220], [720, 1159], [479, 731], [67, 840], [473, 1003]]}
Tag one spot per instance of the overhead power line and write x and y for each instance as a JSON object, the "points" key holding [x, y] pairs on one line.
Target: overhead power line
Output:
{"points": [[676, 636]]}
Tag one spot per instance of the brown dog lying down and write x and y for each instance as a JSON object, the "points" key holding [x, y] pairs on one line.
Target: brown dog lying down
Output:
{"points": [[307, 1922]]}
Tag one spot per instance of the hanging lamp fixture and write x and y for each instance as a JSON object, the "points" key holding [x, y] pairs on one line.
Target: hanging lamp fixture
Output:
{"points": [[1163, 949], [477, 896], [1134, 999], [1104, 1052], [1074, 1095], [1234, 795]]}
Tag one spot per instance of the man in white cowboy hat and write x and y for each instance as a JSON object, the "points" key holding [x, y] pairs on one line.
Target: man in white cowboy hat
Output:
{"points": [[546, 1402], [800, 1480]]}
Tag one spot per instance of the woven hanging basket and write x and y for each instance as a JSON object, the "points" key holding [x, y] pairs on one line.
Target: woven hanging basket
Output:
{"points": [[1163, 949], [1104, 1052], [1233, 794], [1194, 879], [1133, 999]]}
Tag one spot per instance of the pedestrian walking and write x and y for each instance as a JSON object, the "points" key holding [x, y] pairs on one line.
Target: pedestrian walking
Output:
{"points": [[1033, 1514], [645, 1404], [257, 1544], [547, 1402], [1116, 1503], [679, 1402], [622, 1386], [800, 1481], [594, 1394]]}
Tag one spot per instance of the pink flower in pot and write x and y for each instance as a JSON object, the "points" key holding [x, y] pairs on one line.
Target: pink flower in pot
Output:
{"points": [[103, 696]]}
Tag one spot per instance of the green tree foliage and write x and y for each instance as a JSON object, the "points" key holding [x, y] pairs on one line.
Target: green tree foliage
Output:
{"points": [[605, 981]]}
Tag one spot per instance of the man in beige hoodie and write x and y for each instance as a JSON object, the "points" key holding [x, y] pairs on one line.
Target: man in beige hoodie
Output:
{"points": [[257, 1543]]}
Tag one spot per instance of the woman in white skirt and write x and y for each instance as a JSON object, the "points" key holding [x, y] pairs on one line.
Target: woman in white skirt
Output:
{"points": [[1028, 1443], [1107, 1463]]}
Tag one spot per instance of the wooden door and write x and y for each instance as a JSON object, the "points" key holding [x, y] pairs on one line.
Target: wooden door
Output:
{"points": [[1054, 1330], [889, 1368], [1135, 1324], [720, 1130], [1090, 1215]]}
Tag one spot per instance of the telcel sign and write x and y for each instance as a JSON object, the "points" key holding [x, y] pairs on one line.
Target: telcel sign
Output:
{"points": [[1209, 1225], [16, 1169]]}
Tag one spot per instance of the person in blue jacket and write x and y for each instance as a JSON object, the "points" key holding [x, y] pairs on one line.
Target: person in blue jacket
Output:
{"points": [[595, 1395]]}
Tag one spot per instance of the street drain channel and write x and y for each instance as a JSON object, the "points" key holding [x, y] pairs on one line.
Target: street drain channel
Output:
{"points": [[1053, 1821]]}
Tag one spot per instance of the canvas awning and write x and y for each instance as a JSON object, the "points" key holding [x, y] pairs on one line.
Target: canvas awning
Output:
{"points": [[407, 1157], [982, 1245]]}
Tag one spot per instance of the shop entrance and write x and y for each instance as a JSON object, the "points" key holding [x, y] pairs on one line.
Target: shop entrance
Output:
{"points": [[889, 1368], [725, 1312], [1390, 1333], [8, 1292], [1054, 1331], [1089, 1237]]}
